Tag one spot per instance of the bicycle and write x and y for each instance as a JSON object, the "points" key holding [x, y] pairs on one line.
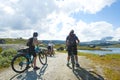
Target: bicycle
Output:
{"points": [[72, 59], [23, 59], [51, 53]]}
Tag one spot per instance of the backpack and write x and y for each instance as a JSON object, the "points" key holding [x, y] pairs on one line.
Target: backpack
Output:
{"points": [[72, 40], [29, 42]]}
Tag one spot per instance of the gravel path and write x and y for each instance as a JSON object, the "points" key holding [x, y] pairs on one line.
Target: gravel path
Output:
{"points": [[56, 69]]}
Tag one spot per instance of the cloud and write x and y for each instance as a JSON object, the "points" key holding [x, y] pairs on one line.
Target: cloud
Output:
{"points": [[97, 30], [51, 19], [86, 6], [20, 14], [85, 31], [117, 34]]}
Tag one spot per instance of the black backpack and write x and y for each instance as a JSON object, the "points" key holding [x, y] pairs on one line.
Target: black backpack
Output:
{"points": [[30, 42], [72, 40]]}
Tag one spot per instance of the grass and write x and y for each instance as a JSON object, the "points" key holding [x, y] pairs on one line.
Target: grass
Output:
{"points": [[15, 41], [88, 48], [109, 62], [1, 49], [59, 45], [115, 45], [112, 74]]}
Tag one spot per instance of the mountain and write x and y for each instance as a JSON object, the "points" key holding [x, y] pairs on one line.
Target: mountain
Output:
{"points": [[109, 38], [53, 41], [106, 41]]}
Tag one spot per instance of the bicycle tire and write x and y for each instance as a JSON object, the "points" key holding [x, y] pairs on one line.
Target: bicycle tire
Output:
{"points": [[73, 62], [17, 63], [53, 53], [43, 57]]}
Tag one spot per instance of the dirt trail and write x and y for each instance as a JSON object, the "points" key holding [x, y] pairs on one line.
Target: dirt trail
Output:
{"points": [[56, 69]]}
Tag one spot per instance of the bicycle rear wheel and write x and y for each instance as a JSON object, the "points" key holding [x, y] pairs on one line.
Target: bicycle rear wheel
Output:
{"points": [[73, 62], [43, 57], [19, 63]]}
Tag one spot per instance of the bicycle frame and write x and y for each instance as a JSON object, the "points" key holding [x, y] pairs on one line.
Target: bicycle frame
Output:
{"points": [[27, 55], [30, 57]]}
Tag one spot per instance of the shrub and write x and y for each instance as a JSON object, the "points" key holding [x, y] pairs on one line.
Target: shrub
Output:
{"points": [[60, 49], [0, 49], [8, 52], [4, 62], [6, 57]]}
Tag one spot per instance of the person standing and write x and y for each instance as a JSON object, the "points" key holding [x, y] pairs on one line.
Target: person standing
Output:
{"points": [[32, 42], [71, 44], [50, 48]]}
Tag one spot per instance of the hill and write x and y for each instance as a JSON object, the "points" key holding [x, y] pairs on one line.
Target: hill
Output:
{"points": [[102, 42]]}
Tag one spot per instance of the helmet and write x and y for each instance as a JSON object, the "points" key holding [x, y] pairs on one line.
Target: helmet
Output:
{"points": [[35, 34], [72, 31]]}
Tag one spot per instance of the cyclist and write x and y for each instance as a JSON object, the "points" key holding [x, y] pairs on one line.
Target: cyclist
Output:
{"points": [[50, 48], [71, 42], [32, 42]]}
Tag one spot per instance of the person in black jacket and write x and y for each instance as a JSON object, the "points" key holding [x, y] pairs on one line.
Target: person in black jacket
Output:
{"points": [[32, 42], [71, 44]]}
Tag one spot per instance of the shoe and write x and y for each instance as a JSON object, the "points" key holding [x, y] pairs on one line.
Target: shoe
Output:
{"points": [[68, 64], [36, 68], [77, 65]]}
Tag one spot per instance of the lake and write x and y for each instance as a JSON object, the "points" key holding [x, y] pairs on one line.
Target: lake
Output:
{"points": [[108, 51]]}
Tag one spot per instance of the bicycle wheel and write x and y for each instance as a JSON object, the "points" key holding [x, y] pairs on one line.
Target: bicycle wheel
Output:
{"points": [[73, 62], [53, 53], [43, 57], [19, 63]]}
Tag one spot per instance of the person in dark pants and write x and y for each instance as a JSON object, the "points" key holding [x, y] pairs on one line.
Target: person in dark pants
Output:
{"points": [[71, 44], [32, 42]]}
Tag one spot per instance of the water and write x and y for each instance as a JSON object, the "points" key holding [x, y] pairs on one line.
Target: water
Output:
{"points": [[108, 51]]}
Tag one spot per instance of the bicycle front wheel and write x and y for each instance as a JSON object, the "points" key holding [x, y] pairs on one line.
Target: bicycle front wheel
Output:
{"points": [[73, 62], [43, 57], [19, 63]]}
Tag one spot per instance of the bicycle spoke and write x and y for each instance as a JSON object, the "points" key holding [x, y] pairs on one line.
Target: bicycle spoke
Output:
{"points": [[19, 64]]}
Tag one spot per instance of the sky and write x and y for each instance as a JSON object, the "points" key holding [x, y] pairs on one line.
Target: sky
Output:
{"points": [[54, 19]]}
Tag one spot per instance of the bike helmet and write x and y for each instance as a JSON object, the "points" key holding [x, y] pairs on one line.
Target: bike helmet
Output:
{"points": [[35, 34], [72, 31]]}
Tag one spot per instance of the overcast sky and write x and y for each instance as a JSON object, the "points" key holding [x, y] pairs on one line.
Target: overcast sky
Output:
{"points": [[53, 19]]}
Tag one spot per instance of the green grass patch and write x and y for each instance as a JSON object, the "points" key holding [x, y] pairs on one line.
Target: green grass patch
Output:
{"points": [[112, 74], [59, 45], [15, 41], [109, 62], [61, 51], [88, 48]]}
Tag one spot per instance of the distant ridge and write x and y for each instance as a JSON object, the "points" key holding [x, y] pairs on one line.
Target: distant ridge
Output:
{"points": [[53, 41]]}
